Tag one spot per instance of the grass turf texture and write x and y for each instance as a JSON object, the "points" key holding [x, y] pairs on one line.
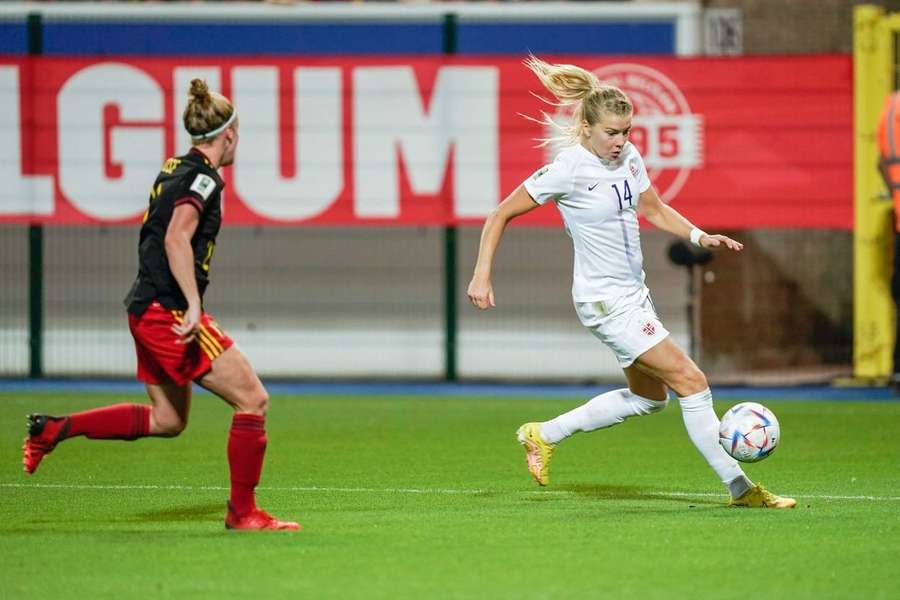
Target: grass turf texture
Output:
{"points": [[410, 497]]}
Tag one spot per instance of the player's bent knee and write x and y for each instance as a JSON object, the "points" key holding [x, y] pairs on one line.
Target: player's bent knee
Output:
{"points": [[697, 379], [168, 429], [171, 432], [256, 402], [689, 380]]}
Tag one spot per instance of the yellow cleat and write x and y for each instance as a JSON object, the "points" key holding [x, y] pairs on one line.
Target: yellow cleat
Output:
{"points": [[537, 452], [760, 497]]}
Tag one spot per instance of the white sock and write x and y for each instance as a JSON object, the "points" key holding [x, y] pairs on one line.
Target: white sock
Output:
{"points": [[601, 411], [703, 428]]}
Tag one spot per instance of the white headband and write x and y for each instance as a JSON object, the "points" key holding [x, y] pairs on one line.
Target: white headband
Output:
{"points": [[211, 134]]}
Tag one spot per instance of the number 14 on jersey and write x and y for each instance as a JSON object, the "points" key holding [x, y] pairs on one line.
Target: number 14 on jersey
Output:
{"points": [[623, 198]]}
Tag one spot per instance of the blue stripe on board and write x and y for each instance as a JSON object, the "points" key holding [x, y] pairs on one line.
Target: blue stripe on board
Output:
{"points": [[13, 38], [158, 39], [825, 393], [576, 38]]}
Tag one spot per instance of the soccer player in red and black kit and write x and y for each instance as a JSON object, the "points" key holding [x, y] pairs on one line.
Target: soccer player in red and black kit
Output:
{"points": [[176, 341]]}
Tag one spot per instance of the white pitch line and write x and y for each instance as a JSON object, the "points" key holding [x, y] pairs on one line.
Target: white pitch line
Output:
{"points": [[347, 490], [439, 491]]}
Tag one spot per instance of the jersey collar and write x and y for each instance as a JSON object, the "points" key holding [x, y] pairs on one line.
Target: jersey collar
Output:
{"points": [[199, 153]]}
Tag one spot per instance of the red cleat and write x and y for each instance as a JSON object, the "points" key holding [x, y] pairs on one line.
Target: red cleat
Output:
{"points": [[257, 519], [44, 432]]}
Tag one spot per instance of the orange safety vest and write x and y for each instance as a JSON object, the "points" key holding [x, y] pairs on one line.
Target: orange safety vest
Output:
{"points": [[889, 147]]}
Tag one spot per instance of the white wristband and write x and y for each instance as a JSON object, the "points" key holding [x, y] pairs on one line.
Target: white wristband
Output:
{"points": [[696, 234]]}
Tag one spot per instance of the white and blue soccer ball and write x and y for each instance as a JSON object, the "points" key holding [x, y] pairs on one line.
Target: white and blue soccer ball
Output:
{"points": [[749, 432]]}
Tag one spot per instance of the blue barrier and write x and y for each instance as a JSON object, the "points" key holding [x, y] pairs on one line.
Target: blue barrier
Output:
{"points": [[96, 29], [573, 38], [240, 39], [13, 38]]}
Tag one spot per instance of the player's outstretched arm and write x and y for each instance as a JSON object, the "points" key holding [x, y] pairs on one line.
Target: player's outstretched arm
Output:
{"points": [[480, 290], [664, 217]]}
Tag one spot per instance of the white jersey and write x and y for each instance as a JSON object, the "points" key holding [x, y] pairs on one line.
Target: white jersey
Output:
{"points": [[598, 202]]}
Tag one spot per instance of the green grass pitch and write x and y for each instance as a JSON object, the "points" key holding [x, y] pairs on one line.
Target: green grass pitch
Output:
{"points": [[414, 497]]}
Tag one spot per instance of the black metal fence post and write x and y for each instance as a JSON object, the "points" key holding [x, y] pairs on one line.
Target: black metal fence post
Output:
{"points": [[35, 244], [450, 250]]}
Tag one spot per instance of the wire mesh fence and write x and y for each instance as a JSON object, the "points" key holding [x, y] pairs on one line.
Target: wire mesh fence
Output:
{"points": [[369, 302]]}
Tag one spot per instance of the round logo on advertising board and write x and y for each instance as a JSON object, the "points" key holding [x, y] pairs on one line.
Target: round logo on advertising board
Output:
{"points": [[667, 134]]}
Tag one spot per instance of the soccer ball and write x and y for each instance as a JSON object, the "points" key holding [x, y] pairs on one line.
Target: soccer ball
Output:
{"points": [[749, 432]]}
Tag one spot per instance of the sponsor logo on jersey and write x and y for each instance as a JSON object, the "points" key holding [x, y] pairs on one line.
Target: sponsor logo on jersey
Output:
{"points": [[665, 131], [540, 172], [648, 328]]}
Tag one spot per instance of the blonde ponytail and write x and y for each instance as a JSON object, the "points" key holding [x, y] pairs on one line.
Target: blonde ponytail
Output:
{"points": [[573, 86], [568, 83]]}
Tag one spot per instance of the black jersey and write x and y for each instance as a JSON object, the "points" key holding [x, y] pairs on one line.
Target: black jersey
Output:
{"points": [[188, 179]]}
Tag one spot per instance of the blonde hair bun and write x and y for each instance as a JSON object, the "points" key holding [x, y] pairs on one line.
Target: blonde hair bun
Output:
{"points": [[206, 111]]}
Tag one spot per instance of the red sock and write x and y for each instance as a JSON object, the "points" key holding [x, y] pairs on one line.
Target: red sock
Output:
{"points": [[116, 422], [246, 450]]}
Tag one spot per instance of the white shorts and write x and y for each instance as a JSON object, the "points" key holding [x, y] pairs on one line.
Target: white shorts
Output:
{"points": [[628, 325]]}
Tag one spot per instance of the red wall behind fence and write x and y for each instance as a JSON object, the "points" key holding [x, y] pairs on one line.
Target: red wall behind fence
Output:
{"points": [[731, 142]]}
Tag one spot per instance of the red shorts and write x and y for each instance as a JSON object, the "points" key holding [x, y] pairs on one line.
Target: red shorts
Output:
{"points": [[160, 356]]}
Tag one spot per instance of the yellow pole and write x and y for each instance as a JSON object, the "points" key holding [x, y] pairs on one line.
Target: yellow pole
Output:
{"points": [[873, 308]]}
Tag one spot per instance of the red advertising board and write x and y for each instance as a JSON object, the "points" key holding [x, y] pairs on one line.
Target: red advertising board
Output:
{"points": [[730, 142]]}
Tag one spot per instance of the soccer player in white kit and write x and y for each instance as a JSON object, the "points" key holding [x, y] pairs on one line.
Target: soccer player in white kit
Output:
{"points": [[600, 185]]}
